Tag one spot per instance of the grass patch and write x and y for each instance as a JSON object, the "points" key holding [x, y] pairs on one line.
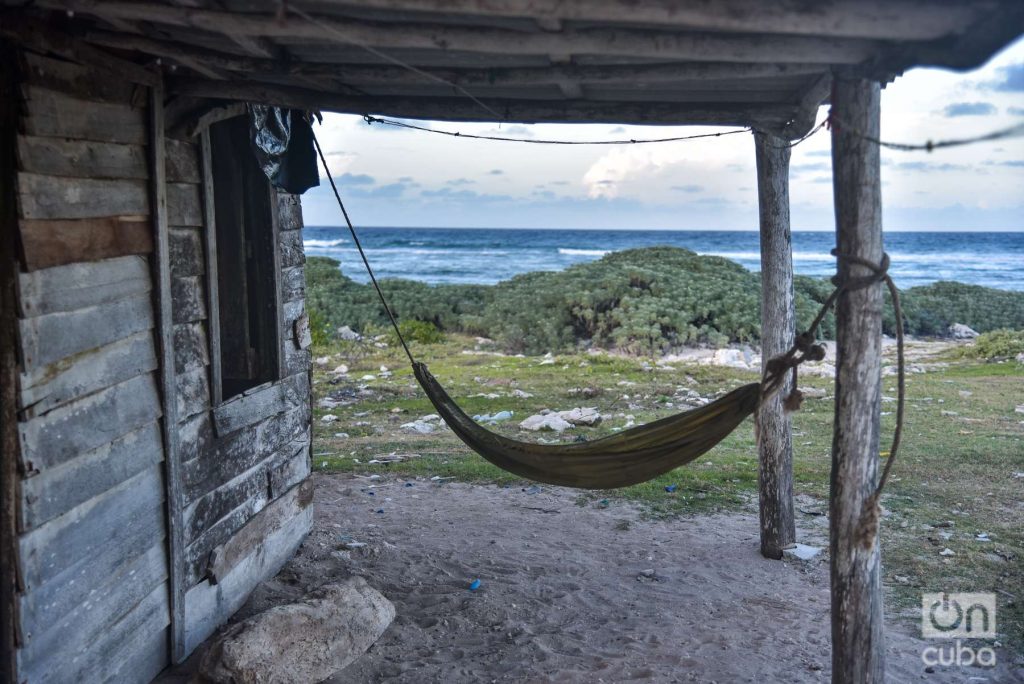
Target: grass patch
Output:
{"points": [[956, 477]]}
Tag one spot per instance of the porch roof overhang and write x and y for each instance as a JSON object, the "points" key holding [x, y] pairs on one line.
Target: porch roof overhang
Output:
{"points": [[721, 62]]}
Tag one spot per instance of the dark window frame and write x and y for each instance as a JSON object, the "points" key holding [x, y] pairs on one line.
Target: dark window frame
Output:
{"points": [[275, 327]]}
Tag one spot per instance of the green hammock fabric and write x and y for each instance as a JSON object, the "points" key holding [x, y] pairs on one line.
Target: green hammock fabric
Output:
{"points": [[623, 459]]}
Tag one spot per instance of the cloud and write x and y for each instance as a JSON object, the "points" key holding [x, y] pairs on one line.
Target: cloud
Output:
{"points": [[496, 172], [617, 130], [465, 196], [1016, 163], [813, 166], [1010, 79], [560, 182], [355, 179], [513, 131], [457, 182], [819, 153], [687, 188], [389, 191], [1015, 111], [969, 109], [929, 166]]}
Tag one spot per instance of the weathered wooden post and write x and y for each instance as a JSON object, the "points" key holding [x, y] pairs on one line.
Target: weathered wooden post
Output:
{"points": [[857, 640], [774, 433]]}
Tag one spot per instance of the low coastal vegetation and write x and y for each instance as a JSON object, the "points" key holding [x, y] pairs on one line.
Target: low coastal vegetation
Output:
{"points": [[638, 301]]}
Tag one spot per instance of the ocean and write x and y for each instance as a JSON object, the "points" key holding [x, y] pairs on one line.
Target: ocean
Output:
{"points": [[487, 256]]}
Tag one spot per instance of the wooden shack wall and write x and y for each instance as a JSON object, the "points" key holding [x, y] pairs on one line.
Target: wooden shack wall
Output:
{"points": [[243, 463], [94, 550], [93, 564]]}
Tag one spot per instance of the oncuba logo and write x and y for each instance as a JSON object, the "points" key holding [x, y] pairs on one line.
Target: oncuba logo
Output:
{"points": [[958, 616]]}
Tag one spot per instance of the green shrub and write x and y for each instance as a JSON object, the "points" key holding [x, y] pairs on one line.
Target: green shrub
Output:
{"points": [[418, 331], [996, 345], [319, 330], [640, 300], [931, 309]]}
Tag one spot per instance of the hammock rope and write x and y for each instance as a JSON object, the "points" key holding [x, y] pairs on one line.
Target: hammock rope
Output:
{"points": [[644, 452]]}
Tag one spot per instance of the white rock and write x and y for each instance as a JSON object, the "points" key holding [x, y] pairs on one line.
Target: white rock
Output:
{"points": [[947, 552], [368, 377], [801, 552], [322, 360], [340, 370], [813, 392], [1019, 409], [429, 417], [581, 416], [520, 394], [328, 418], [498, 417], [959, 331], [731, 358], [420, 427], [549, 422], [306, 641], [341, 435], [965, 393], [347, 333]]}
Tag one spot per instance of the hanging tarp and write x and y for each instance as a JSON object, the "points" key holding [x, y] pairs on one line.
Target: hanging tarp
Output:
{"points": [[282, 140]]}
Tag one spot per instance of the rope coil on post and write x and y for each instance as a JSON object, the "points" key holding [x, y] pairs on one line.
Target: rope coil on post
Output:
{"points": [[805, 349]]}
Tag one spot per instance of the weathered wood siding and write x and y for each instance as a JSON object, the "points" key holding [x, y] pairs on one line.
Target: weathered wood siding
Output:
{"points": [[243, 461], [93, 544], [92, 525]]}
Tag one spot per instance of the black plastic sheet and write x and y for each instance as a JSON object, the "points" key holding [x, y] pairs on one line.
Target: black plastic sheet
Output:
{"points": [[282, 140]]}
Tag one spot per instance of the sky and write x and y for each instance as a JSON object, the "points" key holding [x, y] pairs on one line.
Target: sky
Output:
{"points": [[396, 177]]}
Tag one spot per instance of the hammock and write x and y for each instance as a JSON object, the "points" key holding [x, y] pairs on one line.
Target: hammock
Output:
{"points": [[646, 451], [635, 455]]}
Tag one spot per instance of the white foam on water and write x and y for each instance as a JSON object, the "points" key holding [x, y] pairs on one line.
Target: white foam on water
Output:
{"points": [[583, 252], [322, 243]]}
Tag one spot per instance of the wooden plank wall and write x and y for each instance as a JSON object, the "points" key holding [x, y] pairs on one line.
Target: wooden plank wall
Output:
{"points": [[242, 462], [93, 604]]}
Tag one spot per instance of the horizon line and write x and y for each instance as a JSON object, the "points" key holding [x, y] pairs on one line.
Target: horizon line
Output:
{"points": [[673, 230]]}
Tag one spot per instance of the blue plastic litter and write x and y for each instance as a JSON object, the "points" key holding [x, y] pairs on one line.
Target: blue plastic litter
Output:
{"points": [[380, 510], [671, 488], [408, 484], [372, 493], [474, 585]]}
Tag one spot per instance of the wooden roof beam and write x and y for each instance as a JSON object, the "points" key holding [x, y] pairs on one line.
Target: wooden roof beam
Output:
{"points": [[770, 117], [611, 42], [878, 19], [522, 76]]}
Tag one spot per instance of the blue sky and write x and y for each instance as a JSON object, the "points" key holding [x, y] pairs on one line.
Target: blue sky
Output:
{"points": [[395, 177]]}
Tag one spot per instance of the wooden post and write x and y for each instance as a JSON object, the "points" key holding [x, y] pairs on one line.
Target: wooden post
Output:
{"points": [[774, 433], [168, 383], [857, 641]]}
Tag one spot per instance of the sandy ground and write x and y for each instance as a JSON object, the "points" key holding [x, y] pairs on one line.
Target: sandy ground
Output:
{"points": [[567, 594]]}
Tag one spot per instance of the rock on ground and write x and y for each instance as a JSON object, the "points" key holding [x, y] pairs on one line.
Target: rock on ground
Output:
{"points": [[307, 641], [551, 421], [347, 333], [959, 331], [581, 416]]}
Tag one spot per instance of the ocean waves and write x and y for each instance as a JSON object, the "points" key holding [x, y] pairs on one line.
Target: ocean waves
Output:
{"points": [[487, 256]]}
